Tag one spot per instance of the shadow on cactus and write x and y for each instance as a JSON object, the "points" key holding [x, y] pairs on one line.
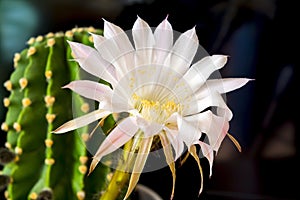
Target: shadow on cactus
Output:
{"points": [[37, 163]]}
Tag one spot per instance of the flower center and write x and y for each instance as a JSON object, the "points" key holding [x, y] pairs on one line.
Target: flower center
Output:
{"points": [[153, 110]]}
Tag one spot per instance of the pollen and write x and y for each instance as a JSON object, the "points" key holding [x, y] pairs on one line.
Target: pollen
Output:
{"points": [[48, 74], [17, 126], [80, 195], [50, 117], [82, 169], [91, 39], [18, 150], [31, 51], [51, 42], [83, 159], [48, 143], [26, 102], [8, 85], [49, 100], [23, 82], [85, 107], [33, 196], [4, 127], [31, 41], [39, 38], [49, 161], [69, 34], [6, 102]]}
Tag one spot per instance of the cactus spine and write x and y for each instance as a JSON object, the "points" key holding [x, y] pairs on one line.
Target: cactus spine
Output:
{"points": [[44, 165]]}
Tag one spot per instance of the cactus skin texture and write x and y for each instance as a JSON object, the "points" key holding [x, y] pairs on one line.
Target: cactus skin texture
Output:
{"points": [[45, 165]]}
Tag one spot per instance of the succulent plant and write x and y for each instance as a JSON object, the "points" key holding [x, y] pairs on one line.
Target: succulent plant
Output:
{"points": [[37, 163]]}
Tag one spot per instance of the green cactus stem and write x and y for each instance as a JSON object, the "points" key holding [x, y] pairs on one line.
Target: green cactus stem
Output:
{"points": [[39, 164]]}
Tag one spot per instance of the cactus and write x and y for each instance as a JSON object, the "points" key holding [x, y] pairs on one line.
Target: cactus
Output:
{"points": [[37, 163]]}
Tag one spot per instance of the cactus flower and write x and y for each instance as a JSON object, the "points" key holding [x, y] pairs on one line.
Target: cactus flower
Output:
{"points": [[165, 94]]}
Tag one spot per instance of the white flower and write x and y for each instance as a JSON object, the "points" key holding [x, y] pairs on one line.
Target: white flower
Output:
{"points": [[163, 92]]}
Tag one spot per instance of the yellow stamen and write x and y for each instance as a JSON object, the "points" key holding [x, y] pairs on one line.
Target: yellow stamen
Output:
{"points": [[7, 145], [18, 150], [83, 159], [69, 34], [8, 85], [91, 39], [6, 194], [17, 57], [31, 41], [26, 102], [91, 29], [23, 82], [85, 136], [49, 35]]}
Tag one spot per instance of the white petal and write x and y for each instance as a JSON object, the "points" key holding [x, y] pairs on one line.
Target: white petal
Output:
{"points": [[144, 42], [208, 153], [117, 137], [213, 100], [188, 132], [82, 121], [91, 90], [176, 141], [90, 60], [149, 128], [221, 85], [163, 35], [214, 126], [183, 51], [116, 48]]}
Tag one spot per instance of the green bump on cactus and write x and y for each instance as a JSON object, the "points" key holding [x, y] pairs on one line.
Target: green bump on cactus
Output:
{"points": [[39, 164]]}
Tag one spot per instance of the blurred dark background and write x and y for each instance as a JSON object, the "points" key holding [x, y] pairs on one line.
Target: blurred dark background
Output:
{"points": [[261, 38]]}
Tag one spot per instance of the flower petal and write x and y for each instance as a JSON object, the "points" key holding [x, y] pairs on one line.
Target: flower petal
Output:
{"points": [[163, 36], [139, 164], [149, 128], [214, 126], [144, 41], [183, 51], [116, 48], [82, 121], [208, 153], [176, 141], [116, 138], [91, 61], [188, 131], [91, 90]]}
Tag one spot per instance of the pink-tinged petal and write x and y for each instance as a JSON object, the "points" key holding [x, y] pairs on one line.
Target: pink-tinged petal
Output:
{"points": [[91, 61], [116, 48], [116, 138], [144, 42], [214, 126], [169, 158], [213, 100], [183, 51], [163, 36], [221, 86], [82, 121], [188, 131], [149, 128], [139, 164], [208, 153], [91, 90], [176, 141]]}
